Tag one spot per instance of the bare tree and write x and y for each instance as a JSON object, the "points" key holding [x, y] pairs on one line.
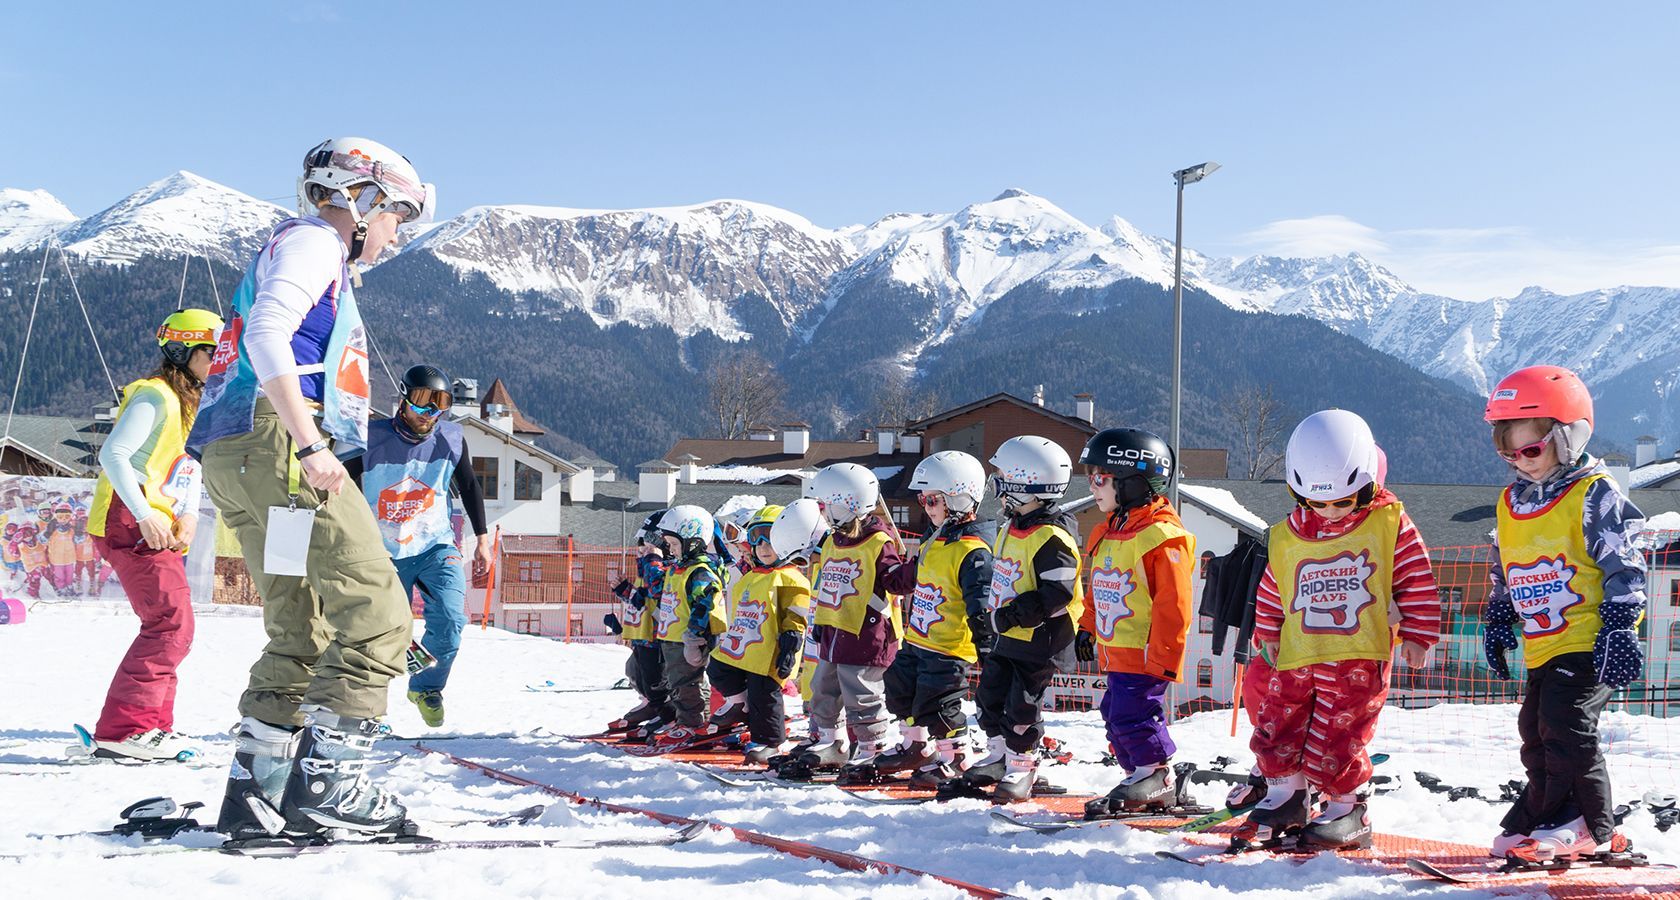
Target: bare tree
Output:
{"points": [[743, 391], [1258, 419], [897, 401]]}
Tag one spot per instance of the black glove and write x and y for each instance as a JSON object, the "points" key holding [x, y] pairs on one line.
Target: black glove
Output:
{"points": [[1085, 646], [819, 633], [1618, 657], [611, 621], [1005, 617], [623, 589], [787, 653], [1497, 636], [638, 600]]}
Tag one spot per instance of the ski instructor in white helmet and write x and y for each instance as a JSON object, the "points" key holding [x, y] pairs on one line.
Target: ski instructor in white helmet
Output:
{"points": [[286, 399]]}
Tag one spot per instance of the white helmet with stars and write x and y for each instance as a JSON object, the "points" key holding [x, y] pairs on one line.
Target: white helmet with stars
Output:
{"points": [[955, 474], [1031, 468], [846, 491]]}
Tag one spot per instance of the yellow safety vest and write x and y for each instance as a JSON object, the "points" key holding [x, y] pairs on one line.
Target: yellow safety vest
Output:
{"points": [[1121, 597], [674, 607], [755, 617], [938, 615], [1336, 592], [168, 467], [1554, 583], [845, 587], [638, 624], [1013, 575]]}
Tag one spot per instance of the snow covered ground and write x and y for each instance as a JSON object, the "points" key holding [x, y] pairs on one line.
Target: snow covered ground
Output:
{"points": [[56, 667]]}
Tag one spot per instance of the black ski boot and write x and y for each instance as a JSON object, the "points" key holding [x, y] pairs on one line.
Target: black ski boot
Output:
{"points": [[262, 759], [989, 769], [1279, 814], [908, 758], [329, 785], [733, 712], [1019, 772], [1145, 788], [1248, 793], [1345, 824]]}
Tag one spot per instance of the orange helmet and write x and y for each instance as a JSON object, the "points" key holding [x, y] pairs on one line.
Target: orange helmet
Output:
{"points": [[1541, 392]]}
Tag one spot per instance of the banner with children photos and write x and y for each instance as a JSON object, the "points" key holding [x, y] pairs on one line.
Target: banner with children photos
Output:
{"points": [[49, 556]]}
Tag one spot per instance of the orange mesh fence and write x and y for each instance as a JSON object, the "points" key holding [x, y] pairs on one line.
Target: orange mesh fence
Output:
{"points": [[557, 589]]}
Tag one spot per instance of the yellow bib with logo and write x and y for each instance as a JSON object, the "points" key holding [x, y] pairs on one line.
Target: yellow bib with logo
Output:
{"points": [[167, 468], [755, 616], [845, 585], [938, 615], [638, 623], [1336, 591], [1554, 583], [1121, 598], [1013, 575], [674, 606]]}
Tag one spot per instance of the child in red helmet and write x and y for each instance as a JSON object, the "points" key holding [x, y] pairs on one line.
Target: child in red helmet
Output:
{"points": [[1568, 574]]}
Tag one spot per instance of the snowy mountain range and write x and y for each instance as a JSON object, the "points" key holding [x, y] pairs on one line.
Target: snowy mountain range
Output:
{"points": [[734, 269]]}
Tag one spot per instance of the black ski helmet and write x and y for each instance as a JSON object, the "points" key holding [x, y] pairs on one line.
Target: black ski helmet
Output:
{"points": [[1129, 452], [425, 376], [649, 532]]}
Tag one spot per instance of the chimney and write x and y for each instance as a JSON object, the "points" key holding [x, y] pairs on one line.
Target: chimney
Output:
{"points": [[658, 483], [466, 398], [581, 486], [796, 439], [886, 440], [761, 434], [499, 416], [1645, 451], [1085, 407], [1617, 465], [910, 442], [1038, 395], [688, 470]]}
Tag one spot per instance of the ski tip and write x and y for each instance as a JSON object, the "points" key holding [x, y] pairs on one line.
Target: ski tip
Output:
{"points": [[693, 830]]}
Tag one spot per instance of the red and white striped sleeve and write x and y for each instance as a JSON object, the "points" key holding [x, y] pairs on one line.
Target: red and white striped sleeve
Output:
{"points": [[1268, 608], [1415, 591]]}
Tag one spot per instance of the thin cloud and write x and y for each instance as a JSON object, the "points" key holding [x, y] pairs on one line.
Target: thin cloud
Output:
{"points": [[1476, 263]]}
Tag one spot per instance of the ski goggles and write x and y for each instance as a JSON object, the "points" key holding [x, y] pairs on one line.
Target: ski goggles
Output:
{"points": [[424, 399], [931, 499], [758, 534], [1343, 503], [412, 201], [1526, 451]]}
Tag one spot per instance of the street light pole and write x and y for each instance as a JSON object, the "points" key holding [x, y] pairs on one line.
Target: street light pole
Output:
{"points": [[1182, 177]]}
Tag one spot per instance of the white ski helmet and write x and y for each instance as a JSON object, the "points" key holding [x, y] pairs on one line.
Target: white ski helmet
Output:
{"points": [[798, 530], [846, 491], [691, 525], [1030, 468], [1331, 455], [955, 474], [334, 170], [734, 523]]}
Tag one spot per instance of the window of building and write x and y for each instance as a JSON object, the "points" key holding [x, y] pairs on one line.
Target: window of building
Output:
{"points": [[1204, 674], [489, 472], [530, 570], [527, 482], [528, 623], [900, 514], [577, 572], [1204, 624], [1674, 592], [1674, 638]]}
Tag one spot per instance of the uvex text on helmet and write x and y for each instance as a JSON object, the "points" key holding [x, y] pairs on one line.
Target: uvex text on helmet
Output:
{"points": [[1033, 466]]}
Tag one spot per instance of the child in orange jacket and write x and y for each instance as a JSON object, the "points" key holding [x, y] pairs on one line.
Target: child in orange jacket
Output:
{"points": [[1139, 616]]}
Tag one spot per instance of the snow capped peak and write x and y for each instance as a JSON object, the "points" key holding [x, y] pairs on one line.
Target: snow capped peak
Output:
{"points": [[178, 215], [29, 217], [1010, 194]]}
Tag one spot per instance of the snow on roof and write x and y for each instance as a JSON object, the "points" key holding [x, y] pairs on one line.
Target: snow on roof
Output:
{"points": [[1223, 501], [1651, 473], [740, 474], [749, 502], [1668, 521]]}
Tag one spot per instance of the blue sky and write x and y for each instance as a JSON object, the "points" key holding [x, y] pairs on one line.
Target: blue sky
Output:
{"points": [[1473, 147]]}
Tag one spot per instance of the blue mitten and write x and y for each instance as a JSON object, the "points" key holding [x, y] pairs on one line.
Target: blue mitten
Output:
{"points": [[1617, 656], [1497, 634]]}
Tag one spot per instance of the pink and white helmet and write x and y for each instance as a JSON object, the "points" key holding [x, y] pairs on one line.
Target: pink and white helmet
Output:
{"points": [[846, 491], [1331, 455], [335, 170]]}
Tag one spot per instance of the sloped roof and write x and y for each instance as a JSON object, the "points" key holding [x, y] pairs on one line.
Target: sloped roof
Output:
{"points": [[1002, 397], [67, 443], [499, 394]]}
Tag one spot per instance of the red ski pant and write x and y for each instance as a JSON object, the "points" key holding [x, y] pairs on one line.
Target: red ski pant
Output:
{"points": [[1319, 719], [1257, 674], [142, 694]]}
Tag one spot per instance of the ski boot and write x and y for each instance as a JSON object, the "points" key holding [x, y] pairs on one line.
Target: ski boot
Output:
{"points": [[262, 758], [155, 745], [827, 755], [733, 712], [915, 752], [776, 761], [1345, 824], [865, 765], [650, 728], [950, 761], [1281, 813], [329, 785], [642, 712], [1560, 844], [1019, 772], [983, 774], [1144, 788], [755, 754], [1247, 794], [1503, 844], [430, 704]]}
